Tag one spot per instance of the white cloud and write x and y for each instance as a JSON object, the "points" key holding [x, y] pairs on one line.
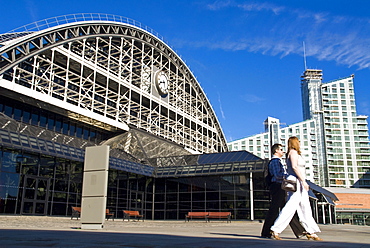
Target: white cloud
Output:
{"points": [[262, 7], [252, 98], [220, 4], [342, 39], [248, 6]]}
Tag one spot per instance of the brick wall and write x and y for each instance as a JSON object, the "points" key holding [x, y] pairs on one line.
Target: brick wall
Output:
{"points": [[351, 200]]}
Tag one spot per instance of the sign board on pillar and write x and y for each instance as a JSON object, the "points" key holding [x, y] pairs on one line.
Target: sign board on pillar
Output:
{"points": [[94, 187]]}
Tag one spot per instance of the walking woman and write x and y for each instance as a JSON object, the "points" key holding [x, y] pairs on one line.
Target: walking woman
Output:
{"points": [[299, 200]]}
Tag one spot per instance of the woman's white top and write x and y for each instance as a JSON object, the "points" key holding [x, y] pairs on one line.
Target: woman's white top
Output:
{"points": [[301, 166]]}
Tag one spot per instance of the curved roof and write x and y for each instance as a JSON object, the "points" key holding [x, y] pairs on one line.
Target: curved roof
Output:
{"points": [[112, 72]]}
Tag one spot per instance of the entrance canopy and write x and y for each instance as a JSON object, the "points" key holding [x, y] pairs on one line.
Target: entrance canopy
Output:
{"points": [[328, 196]]}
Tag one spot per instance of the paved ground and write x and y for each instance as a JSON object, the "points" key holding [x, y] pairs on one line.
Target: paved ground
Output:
{"points": [[32, 231]]}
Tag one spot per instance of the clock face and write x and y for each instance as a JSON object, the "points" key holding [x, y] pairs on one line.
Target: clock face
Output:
{"points": [[161, 82]]}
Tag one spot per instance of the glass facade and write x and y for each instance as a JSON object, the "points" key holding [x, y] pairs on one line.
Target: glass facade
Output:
{"points": [[41, 172], [38, 184], [353, 217], [45, 185]]}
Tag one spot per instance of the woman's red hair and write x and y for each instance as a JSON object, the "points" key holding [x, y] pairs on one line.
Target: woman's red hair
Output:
{"points": [[293, 144]]}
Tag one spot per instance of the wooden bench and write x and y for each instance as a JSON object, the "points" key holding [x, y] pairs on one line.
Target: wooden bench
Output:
{"points": [[208, 215], [219, 215], [196, 215], [109, 215], [128, 214], [76, 212]]}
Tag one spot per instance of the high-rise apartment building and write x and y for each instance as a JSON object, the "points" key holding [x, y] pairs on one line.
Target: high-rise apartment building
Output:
{"points": [[334, 139], [346, 136], [312, 106]]}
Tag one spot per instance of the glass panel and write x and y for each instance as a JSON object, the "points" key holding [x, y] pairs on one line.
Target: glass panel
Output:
{"points": [[171, 197], [242, 195], [47, 166], [61, 169], [30, 188], [61, 185], [26, 115], [35, 119], [213, 205], [10, 191], [198, 206], [61, 209], [40, 208], [185, 197], [28, 208], [43, 119], [17, 114], [42, 190], [212, 196], [30, 164], [60, 197], [14, 137], [10, 161]]}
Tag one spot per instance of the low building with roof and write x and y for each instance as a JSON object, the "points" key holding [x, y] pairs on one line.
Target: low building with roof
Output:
{"points": [[352, 206]]}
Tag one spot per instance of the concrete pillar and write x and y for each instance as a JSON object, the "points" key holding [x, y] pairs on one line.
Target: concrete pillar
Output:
{"points": [[94, 187]]}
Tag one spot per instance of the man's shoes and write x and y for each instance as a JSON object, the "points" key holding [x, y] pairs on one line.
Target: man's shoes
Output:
{"points": [[298, 236], [266, 237]]}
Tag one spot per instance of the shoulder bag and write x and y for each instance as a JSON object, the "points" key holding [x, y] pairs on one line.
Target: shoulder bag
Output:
{"points": [[289, 183]]}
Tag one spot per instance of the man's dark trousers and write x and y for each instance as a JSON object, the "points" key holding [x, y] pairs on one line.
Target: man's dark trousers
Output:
{"points": [[277, 203]]}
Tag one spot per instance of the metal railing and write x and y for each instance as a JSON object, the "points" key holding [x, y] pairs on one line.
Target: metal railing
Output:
{"points": [[65, 19]]}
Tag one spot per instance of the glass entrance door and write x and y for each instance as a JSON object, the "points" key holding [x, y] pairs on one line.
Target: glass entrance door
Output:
{"points": [[35, 195], [136, 200]]}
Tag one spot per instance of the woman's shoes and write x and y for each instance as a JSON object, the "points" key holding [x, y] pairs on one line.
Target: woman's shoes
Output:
{"points": [[313, 237], [275, 235]]}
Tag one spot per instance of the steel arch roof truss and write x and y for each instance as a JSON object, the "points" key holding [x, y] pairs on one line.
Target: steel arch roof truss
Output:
{"points": [[109, 69]]}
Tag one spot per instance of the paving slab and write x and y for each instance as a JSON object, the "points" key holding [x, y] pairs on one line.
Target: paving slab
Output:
{"points": [[43, 231]]}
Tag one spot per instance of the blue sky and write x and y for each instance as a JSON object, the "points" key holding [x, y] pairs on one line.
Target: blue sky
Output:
{"points": [[247, 55]]}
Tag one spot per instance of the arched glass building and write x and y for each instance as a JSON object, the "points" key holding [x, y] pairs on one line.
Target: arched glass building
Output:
{"points": [[90, 79]]}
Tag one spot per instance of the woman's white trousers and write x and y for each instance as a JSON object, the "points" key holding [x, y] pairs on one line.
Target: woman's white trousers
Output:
{"points": [[297, 201]]}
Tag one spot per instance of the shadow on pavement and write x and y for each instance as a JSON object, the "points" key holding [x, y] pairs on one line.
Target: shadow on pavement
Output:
{"points": [[81, 238]]}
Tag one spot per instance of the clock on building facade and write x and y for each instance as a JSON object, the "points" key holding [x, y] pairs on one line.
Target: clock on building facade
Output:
{"points": [[161, 82]]}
